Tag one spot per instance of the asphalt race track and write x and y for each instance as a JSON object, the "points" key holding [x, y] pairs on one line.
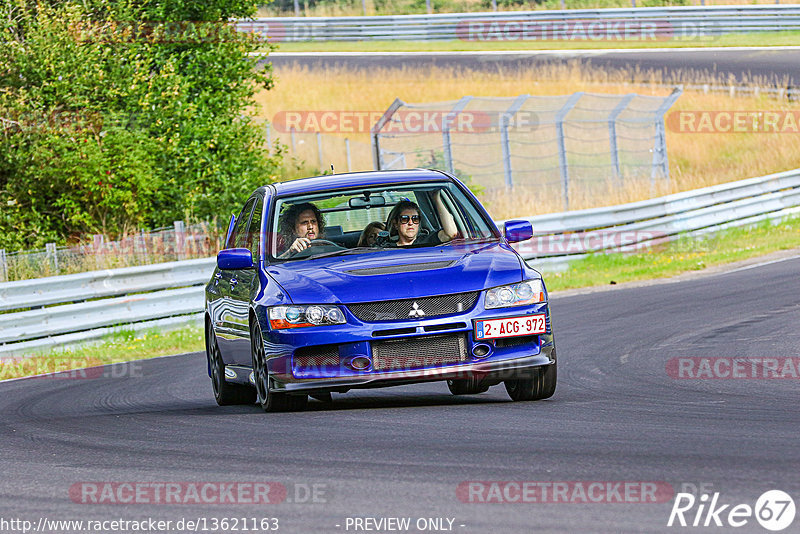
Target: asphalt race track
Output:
{"points": [[779, 67], [617, 416]]}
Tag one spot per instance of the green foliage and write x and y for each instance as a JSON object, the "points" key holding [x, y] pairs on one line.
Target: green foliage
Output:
{"points": [[119, 114]]}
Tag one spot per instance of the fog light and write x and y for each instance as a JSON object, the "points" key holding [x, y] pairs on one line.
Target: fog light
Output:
{"points": [[359, 363], [481, 350]]}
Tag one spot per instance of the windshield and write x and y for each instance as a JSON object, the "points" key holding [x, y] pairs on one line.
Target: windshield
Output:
{"points": [[368, 219]]}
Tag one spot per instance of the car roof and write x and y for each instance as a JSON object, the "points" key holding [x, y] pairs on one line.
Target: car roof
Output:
{"points": [[354, 179]]}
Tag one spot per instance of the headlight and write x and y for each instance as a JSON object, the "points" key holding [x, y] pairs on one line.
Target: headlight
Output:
{"points": [[299, 316], [529, 292]]}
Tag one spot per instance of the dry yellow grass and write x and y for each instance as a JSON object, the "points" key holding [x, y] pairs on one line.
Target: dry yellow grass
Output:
{"points": [[695, 159], [403, 7]]}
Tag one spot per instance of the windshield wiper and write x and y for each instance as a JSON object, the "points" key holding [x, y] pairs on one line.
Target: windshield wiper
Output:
{"points": [[344, 252]]}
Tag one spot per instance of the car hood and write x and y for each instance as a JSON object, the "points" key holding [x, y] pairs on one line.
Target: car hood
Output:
{"points": [[398, 274]]}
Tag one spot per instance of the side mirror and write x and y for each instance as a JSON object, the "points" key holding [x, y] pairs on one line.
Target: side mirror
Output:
{"points": [[517, 231], [235, 259]]}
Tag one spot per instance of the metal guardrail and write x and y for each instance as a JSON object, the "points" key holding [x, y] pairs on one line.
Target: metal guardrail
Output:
{"points": [[653, 23], [172, 293], [102, 284]]}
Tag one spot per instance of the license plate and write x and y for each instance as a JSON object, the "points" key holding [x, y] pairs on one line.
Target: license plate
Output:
{"points": [[510, 326]]}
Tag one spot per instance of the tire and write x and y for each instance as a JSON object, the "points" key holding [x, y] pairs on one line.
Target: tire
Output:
{"points": [[224, 393], [541, 386], [269, 400], [466, 386]]}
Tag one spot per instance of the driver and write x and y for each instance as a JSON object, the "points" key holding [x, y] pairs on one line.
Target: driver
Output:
{"points": [[299, 225]]}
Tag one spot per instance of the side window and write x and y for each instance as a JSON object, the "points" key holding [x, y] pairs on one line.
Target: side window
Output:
{"points": [[239, 235], [254, 231]]}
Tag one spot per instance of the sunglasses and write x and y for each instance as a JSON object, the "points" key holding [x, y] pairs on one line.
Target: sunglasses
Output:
{"points": [[405, 218]]}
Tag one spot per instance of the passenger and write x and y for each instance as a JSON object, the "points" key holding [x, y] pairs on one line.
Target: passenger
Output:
{"points": [[404, 221], [370, 234], [299, 225]]}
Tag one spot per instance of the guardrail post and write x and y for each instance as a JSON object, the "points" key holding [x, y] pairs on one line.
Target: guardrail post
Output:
{"points": [[446, 143], [505, 119], [376, 132], [347, 153], [612, 133], [180, 236], [52, 255], [660, 159], [3, 266], [562, 147]]}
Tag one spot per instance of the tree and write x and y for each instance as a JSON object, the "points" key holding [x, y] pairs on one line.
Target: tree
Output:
{"points": [[119, 114]]}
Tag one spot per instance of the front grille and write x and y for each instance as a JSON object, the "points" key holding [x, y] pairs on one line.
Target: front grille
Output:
{"points": [[418, 352], [317, 357], [421, 308]]}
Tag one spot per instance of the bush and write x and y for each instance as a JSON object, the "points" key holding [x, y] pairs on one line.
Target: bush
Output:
{"points": [[118, 115]]}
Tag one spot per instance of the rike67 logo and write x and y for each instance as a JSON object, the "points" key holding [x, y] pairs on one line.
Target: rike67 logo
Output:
{"points": [[774, 510]]}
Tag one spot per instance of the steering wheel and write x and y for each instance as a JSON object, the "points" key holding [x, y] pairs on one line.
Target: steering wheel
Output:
{"points": [[323, 242]]}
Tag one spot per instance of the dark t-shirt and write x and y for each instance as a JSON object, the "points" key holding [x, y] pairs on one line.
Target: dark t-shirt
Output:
{"points": [[431, 239]]}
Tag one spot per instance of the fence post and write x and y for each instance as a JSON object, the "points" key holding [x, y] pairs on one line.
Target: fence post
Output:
{"points": [[612, 133], [180, 235], [144, 246], [505, 119], [319, 152], [3, 266], [97, 241], [562, 147], [268, 133], [660, 160], [447, 120], [52, 255], [376, 132], [347, 153]]}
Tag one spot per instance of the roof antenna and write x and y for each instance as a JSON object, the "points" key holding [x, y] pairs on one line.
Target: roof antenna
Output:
{"points": [[332, 171]]}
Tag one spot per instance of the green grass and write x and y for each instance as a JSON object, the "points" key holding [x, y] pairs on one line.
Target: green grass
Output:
{"points": [[678, 257], [121, 346], [787, 38]]}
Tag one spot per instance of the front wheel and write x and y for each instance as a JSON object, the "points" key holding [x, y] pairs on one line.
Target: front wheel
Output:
{"points": [[269, 400], [541, 386], [224, 393]]}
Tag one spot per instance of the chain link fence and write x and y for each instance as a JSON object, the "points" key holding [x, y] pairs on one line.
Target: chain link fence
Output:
{"points": [[553, 143], [177, 242]]}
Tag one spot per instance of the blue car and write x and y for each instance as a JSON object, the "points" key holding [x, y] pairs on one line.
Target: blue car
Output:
{"points": [[373, 279]]}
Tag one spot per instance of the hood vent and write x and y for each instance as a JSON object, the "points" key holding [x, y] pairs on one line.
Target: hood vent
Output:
{"points": [[407, 268]]}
